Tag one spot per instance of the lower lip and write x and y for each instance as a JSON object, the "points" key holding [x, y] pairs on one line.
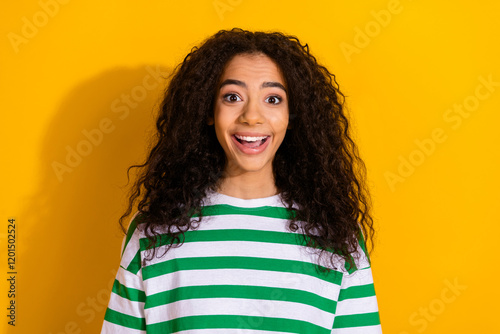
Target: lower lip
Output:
{"points": [[251, 150]]}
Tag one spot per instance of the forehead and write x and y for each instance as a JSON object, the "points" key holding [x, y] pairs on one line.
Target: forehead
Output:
{"points": [[256, 66]]}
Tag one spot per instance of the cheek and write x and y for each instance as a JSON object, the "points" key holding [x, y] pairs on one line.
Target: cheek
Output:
{"points": [[281, 122]]}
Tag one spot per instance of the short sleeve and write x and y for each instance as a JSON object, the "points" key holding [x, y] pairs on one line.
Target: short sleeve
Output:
{"points": [[357, 308], [125, 312]]}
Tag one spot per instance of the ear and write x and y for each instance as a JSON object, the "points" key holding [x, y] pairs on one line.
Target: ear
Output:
{"points": [[210, 120]]}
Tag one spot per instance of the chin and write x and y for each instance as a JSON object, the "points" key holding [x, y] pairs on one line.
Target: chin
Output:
{"points": [[250, 167]]}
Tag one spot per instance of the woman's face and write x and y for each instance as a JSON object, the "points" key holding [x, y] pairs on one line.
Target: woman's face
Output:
{"points": [[251, 113]]}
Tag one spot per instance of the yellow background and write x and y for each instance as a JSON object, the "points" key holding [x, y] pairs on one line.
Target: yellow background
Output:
{"points": [[402, 64]]}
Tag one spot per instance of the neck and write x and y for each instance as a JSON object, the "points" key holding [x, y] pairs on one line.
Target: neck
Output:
{"points": [[248, 185]]}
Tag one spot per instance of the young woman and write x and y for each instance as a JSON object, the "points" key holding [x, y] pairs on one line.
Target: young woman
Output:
{"points": [[253, 210]]}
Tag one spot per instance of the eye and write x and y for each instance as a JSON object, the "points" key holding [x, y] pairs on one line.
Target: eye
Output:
{"points": [[231, 97], [273, 99]]}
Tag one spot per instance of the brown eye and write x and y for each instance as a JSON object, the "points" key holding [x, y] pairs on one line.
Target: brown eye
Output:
{"points": [[273, 99], [231, 98]]}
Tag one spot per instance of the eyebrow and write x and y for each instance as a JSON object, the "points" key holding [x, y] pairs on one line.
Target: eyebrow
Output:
{"points": [[244, 85]]}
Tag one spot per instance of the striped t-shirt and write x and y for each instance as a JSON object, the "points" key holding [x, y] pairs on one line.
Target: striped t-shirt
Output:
{"points": [[240, 271]]}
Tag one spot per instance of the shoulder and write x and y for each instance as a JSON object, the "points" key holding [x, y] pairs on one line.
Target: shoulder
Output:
{"points": [[360, 257], [135, 229], [131, 246]]}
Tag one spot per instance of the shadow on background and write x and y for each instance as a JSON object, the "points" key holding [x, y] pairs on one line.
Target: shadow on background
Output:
{"points": [[70, 230]]}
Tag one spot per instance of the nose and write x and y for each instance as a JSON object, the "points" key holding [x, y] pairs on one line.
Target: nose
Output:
{"points": [[252, 113]]}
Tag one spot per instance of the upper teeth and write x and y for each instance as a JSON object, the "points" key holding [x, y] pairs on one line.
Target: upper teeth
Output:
{"points": [[246, 138]]}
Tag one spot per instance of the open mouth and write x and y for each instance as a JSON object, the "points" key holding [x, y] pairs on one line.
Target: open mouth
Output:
{"points": [[251, 142]]}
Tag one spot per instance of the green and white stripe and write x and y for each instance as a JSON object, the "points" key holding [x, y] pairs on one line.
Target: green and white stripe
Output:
{"points": [[240, 271]]}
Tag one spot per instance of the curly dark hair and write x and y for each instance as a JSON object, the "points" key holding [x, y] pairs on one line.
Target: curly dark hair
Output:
{"points": [[317, 168]]}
